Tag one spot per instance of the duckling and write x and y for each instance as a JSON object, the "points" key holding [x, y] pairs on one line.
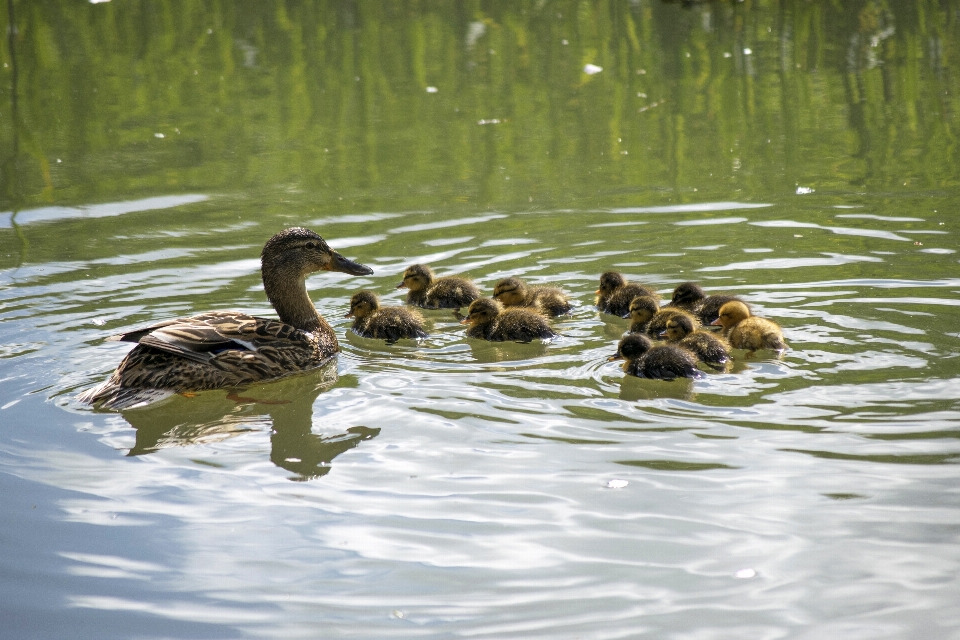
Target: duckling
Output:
{"points": [[488, 320], [662, 362], [389, 323], [430, 292], [514, 292], [690, 297], [615, 293], [708, 348], [747, 331], [648, 318]]}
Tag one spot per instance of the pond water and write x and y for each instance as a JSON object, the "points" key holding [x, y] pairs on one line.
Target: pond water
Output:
{"points": [[799, 155]]}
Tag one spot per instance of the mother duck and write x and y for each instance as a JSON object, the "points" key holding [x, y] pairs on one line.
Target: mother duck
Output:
{"points": [[228, 348]]}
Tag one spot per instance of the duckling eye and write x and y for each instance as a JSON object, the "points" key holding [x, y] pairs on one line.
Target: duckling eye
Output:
{"points": [[311, 245]]}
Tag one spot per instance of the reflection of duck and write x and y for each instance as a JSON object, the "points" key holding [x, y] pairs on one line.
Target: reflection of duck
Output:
{"points": [[430, 292], [514, 292], [747, 331], [389, 323], [615, 293], [663, 362], [690, 297], [490, 321], [647, 317], [226, 348], [707, 347]]}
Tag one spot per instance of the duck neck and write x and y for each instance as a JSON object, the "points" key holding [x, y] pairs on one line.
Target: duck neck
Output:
{"points": [[292, 302]]}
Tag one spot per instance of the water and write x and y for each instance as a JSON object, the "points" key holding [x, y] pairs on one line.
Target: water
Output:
{"points": [[460, 488]]}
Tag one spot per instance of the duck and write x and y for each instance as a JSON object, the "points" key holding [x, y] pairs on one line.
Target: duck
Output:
{"points": [[221, 349], [647, 317], [615, 293], [429, 292], [514, 292], [489, 320], [389, 323], [709, 349], [691, 297], [747, 331], [661, 362]]}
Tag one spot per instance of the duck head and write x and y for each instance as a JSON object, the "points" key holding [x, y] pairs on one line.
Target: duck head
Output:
{"points": [[631, 347], [678, 327], [642, 308], [687, 294], [482, 310], [731, 314], [298, 252], [416, 278], [363, 304], [510, 291], [610, 281]]}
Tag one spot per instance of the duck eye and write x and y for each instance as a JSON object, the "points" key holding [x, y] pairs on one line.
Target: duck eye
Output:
{"points": [[311, 245]]}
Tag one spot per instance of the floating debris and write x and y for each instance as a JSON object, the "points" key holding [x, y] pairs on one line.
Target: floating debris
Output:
{"points": [[747, 51], [490, 121], [616, 484], [804, 190], [743, 574], [159, 135], [591, 69], [432, 89]]}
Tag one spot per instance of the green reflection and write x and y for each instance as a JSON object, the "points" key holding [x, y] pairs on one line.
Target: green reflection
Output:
{"points": [[674, 465], [891, 458]]}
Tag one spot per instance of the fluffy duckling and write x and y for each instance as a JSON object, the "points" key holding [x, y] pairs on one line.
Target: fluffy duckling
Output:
{"points": [[615, 293], [647, 317], [662, 362], [747, 331], [707, 347], [514, 292], [387, 323], [690, 297], [430, 292], [488, 320]]}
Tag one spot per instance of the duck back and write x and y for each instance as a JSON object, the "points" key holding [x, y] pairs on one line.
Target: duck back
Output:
{"points": [[521, 325], [391, 324], [756, 333], [449, 292], [658, 323], [707, 347], [710, 309], [618, 301], [551, 300], [664, 362]]}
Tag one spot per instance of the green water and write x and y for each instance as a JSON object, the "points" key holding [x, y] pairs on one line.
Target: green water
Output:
{"points": [[802, 155]]}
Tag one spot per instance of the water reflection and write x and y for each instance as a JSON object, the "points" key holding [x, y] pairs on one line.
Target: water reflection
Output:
{"points": [[285, 407]]}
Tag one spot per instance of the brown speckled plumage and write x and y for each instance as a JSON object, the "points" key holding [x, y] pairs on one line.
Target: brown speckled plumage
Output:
{"points": [[648, 318], [709, 348], [690, 297], [615, 293], [661, 362], [385, 323], [430, 292], [228, 348], [514, 292], [488, 320], [747, 331]]}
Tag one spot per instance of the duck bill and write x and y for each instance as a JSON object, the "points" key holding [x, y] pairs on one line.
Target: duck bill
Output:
{"points": [[662, 334], [465, 320], [615, 357], [401, 286], [343, 265], [626, 316], [715, 323], [349, 314]]}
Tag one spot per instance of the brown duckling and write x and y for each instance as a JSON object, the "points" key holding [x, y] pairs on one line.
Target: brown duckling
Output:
{"points": [[708, 348], [430, 292], [387, 323], [747, 331], [615, 293], [690, 297], [488, 320], [662, 362], [647, 317], [514, 292]]}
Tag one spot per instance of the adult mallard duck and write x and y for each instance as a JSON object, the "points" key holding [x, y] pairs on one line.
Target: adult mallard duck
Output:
{"points": [[647, 317], [709, 349], [615, 293], [514, 292], [747, 331], [228, 348], [488, 320], [661, 362], [430, 292], [691, 297], [389, 323]]}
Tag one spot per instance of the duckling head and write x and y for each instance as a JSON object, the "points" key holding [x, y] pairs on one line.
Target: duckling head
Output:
{"points": [[416, 278], [687, 293], [510, 291], [731, 314], [642, 308], [482, 310], [296, 252], [610, 281], [363, 304], [632, 346], [678, 327]]}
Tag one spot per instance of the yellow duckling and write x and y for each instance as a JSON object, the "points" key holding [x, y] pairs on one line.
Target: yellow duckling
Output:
{"points": [[615, 293], [661, 362], [708, 348], [430, 292], [746, 331], [388, 323], [514, 292], [488, 320], [647, 317], [690, 297]]}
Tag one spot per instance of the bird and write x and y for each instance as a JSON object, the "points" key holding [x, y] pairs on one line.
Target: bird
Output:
{"points": [[709, 349], [615, 293], [514, 292], [747, 331], [488, 320], [229, 348], [661, 362], [690, 297], [430, 292], [389, 323], [647, 317]]}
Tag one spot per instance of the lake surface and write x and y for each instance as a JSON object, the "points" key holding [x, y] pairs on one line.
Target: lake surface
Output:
{"points": [[800, 155]]}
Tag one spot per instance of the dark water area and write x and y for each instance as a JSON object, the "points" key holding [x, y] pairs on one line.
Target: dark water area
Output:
{"points": [[801, 155]]}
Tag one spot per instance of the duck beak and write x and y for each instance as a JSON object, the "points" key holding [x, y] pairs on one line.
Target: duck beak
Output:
{"points": [[341, 264], [615, 357], [597, 292], [626, 317], [402, 285], [662, 334], [715, 323], [349, 314], [465, 320]]}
